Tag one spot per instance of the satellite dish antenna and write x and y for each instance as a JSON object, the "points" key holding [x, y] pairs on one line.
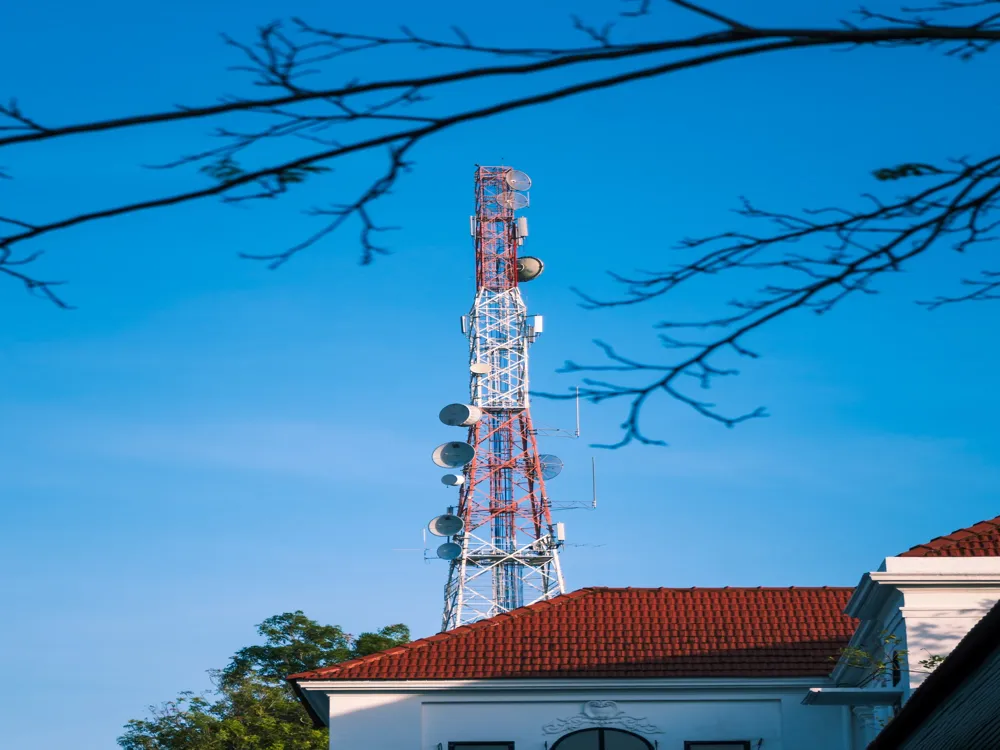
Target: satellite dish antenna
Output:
{"points": [[513, 200], [453, 480], [446, 525], [480, 368], [449, 551], [518, 180], [529, 268], [460, 415], [452, 455], [551, 466]]}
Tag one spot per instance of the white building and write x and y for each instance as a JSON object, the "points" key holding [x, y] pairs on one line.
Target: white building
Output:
{"points": [[673, 669]]}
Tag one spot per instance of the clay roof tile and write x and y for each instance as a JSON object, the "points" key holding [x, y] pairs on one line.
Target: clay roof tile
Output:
{"points": [[630, 632]]}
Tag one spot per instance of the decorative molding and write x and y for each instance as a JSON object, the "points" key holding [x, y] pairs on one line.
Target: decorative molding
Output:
{"points": [[945, 612], [661, 686], [932, 579], [601, 714]]}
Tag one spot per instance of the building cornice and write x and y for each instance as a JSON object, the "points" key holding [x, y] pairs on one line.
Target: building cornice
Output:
{"points": [[926, 579], [560, 685], [965, 612], [876, 587]]}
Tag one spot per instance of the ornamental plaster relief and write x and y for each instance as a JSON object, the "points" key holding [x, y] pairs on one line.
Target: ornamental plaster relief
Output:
{"points": [[601, 714]]}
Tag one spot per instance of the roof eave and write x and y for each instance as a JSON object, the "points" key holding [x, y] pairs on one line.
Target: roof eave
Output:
{"points": [[866, 599], [318, 721], [565, 684]]}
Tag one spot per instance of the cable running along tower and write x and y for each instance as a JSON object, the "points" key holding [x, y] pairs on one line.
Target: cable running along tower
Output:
{"points": [[503, 549]]}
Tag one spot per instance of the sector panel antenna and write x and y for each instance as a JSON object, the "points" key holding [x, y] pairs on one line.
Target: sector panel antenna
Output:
{"points": [[551, 466], [447, 524], [517, 179], [452, 455], [449, 551]]}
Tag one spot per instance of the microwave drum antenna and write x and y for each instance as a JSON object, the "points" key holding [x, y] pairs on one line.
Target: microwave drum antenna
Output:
{"points": [[449, 551], [460, 415], [452, 455], [529, 268], [446, 525]]}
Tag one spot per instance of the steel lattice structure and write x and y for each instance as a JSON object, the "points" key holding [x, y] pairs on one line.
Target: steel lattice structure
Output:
{"points": [[510, 553]]}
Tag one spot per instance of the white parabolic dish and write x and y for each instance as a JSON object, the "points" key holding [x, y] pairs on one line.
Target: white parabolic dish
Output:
{"points": [[514, 200], [518, 179], [452, 455], [460, 415], [449, 551], [453, 480], [446, 525]]}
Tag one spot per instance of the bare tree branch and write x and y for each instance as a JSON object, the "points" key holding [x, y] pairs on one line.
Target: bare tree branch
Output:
{"points": [[11, 268], [414, 135], [801, 37], [343, 212], [810, 260], [710, 14], [854, 249]]}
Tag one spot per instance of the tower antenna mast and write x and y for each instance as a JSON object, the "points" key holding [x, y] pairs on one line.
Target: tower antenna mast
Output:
{"points": [[503, 548]]}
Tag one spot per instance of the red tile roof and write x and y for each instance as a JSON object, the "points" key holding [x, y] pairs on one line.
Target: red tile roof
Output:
{"points": [[979, 540], [605, 632]]}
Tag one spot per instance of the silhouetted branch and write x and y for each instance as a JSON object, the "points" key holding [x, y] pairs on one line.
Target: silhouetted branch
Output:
{"points": [[710, 14], [853, 249], [344, 43], [343, 212], [838, 252], [274, 180], [274, 72], [985, 288], [11, 268]]}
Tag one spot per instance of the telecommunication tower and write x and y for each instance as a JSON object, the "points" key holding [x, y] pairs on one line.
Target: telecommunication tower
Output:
{"points": [[503, 549]]}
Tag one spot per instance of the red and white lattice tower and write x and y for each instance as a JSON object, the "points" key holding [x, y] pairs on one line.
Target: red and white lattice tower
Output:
{"points": [[504, 548]]}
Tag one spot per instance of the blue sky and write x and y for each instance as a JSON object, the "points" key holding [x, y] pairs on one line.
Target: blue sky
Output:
{"points": [[205, 443]]}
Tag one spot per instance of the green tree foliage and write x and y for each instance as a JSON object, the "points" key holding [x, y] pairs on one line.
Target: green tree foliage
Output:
{"points": [[252, 707], [878, 665]]}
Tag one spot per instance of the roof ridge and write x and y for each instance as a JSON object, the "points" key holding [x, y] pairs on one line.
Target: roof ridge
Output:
{"points": [[460, 631], [719, 588], [953, 539]]}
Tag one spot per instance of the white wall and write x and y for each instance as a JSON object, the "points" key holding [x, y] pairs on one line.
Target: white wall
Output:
{"points": [[772, 714], [929, 604], [942, 598]]}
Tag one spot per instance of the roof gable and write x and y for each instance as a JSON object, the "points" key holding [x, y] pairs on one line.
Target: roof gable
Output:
{"points": [[628, 633], [979, 540]]}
